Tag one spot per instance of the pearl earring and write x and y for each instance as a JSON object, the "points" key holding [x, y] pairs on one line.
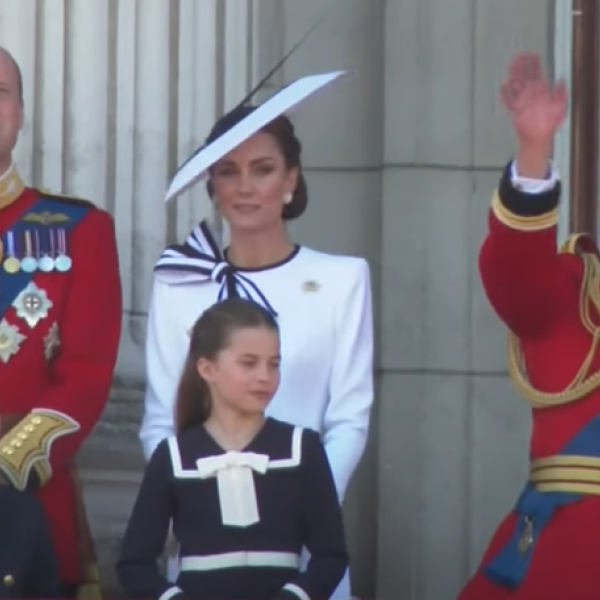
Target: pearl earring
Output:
{"points": [[287, 198]]}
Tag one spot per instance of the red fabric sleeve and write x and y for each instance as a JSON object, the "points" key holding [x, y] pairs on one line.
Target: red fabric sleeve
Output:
{"points": [[530, 285]]}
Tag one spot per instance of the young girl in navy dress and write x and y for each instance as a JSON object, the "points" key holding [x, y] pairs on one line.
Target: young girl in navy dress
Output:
{"points": [[245, 492]]}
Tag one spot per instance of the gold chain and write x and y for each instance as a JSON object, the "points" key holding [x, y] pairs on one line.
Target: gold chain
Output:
{"points": [[582, 384]]}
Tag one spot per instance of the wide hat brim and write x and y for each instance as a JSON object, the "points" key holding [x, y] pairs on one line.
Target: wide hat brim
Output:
{"points": [[283, 101]]}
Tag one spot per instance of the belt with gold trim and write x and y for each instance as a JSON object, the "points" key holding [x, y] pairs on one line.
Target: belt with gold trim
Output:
{"points": [[570, 473], [554, 482]]}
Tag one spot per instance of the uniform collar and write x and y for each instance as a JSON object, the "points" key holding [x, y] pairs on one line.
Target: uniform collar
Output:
{"points": [[11, 186]]}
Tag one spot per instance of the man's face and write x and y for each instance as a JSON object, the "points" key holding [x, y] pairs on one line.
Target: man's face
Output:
{"points": [[11, 108]]}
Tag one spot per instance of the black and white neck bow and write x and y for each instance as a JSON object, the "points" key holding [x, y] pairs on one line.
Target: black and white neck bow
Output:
{"points": [[199, 259]]}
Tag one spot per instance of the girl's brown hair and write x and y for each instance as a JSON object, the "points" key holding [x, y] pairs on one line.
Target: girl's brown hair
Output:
{"points": [[210, 335]]}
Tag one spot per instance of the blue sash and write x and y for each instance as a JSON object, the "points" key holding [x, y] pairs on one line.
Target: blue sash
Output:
{"points": [[44, 215], [510, 566]]}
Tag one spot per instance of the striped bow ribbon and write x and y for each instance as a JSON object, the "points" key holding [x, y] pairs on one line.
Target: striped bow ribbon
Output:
{"points": [[199, 259]]}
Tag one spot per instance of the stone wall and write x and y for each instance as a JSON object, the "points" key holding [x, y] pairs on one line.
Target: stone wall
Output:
{"points": [[453, 435]]}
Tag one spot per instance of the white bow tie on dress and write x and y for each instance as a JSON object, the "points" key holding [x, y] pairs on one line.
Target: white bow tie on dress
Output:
{"points": [[235, 480]]}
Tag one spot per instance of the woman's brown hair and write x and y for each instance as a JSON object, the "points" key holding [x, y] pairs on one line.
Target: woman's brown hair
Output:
{"points": [[283, 132], [210, 335]]}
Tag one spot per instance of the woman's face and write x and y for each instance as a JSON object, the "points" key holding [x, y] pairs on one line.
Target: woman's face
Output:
{"points": [[244, 376], [251, 183]]}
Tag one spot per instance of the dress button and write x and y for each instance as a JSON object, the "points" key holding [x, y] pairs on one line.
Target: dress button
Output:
{"points": [[8, 581]]}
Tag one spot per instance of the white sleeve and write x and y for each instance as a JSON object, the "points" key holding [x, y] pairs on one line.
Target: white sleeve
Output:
{"points": [[348, 411], [166, 350], [533, 186]]}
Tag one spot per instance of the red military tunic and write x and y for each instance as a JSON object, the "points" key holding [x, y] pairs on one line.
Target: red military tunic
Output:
{"points": [[59, 337], [548, 548]]}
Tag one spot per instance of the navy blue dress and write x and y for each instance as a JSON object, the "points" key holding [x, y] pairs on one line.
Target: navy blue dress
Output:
{"points": [[241, 519]]}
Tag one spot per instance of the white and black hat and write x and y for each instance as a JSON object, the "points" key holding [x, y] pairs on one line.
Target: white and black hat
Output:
{"points": [[199, 258], [196, 167]]}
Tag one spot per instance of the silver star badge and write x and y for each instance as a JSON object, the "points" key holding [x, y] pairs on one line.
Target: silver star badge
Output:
{"points": [[10, 340], [32, 304]]}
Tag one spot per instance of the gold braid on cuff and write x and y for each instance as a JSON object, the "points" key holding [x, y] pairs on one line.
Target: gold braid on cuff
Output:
{"points": [[510, 219]]}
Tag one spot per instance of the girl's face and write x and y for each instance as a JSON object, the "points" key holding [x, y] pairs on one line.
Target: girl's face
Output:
{"points": [[245, 375], [251, 183]]}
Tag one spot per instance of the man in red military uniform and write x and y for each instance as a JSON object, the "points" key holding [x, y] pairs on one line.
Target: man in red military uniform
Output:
{"points": [[549, 546], [60, 323]]}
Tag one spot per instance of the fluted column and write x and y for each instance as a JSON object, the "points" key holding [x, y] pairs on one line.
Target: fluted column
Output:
{"points": [[117, 94]]}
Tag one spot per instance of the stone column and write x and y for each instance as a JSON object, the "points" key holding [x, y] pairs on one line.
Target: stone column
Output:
{"points": [[117, 95], [453, 436]]}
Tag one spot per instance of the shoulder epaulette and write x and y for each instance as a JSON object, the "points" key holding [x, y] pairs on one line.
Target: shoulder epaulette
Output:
{"points": [[579, 243], [66, 199]]}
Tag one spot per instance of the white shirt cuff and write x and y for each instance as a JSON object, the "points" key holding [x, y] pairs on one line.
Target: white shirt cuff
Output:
{"points": [[533, 186]]}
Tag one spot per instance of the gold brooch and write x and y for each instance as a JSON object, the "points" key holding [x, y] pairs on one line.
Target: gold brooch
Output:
{"points": [[310, 286]]}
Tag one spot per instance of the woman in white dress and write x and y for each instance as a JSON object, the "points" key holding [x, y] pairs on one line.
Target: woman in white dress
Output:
{"points": [[322, 301]]}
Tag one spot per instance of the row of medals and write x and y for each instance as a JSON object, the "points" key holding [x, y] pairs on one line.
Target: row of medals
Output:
{"points": [[46, 264]]}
